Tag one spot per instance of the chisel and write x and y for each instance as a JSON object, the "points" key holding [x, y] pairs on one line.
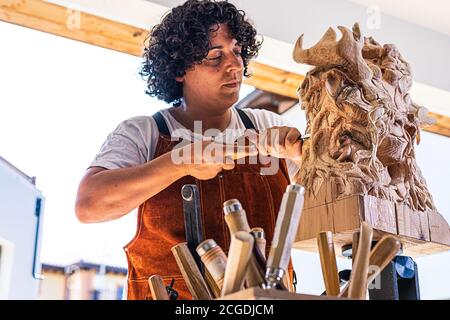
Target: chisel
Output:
{"points": [[260, 240], [215, 262], [190, 272], [328, 263], [236, 219], [239, 255], [157, 288], [380, 256], [358, 279], [284, 234]]}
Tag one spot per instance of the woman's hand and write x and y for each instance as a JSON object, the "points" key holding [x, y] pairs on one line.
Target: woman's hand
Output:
{"points": [[280, 142], [205, 159]]}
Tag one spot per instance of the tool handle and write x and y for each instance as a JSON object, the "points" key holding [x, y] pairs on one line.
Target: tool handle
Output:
{"points": [[383, 253], [286, 227], [235, 216], [238, 259], [380, 256], [358, 279], [215, 262], [190, 272], [260, 240], [236, 219], [328, 263], [157, 288]]}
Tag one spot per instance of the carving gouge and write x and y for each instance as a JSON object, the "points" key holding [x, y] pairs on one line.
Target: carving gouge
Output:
{"points": [[284, 233], [380, 256], [358, 279], [328, 262], [157, 288], [239, 255], [236, 219]]}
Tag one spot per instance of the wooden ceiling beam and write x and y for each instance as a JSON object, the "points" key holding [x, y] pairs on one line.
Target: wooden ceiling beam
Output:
{"points": [[98, 31]]}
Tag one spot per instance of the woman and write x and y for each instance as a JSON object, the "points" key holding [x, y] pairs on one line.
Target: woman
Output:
{"points": [[195, 60]]}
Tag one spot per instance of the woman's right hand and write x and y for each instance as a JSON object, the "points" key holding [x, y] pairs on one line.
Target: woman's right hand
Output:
{"points": [[205, 159]]}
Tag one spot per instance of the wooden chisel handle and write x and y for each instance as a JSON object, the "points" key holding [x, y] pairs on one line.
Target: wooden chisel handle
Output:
{"points": [[235, 216], [260, 240], [328, 263], [215, 262], [355, 242], [285, 230], [380, 256], [236, 219], [383, 253], [239, 255], [191, 273], [157, 288], [358, 279]]}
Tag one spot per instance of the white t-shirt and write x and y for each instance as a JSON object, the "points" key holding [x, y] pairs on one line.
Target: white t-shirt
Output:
{"points": [[134, 141]]}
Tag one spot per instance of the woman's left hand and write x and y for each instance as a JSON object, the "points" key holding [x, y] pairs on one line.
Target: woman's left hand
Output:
{"points": [[280, 142]]}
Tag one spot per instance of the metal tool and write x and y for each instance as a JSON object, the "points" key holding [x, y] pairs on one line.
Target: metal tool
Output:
{"points": [[193, 221], [304, 137]]}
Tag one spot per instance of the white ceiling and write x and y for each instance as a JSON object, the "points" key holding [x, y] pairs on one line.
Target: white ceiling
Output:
{"points": [[431, 14]]}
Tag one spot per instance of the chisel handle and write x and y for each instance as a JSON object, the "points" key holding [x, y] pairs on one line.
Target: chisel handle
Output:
{"points": [[157, 288], [285, 230], [190, 272], [260, 240], [380, 256], [235, 216], [358, 280], [215, 262], [328, 262], [236, 219], [238, 260]]}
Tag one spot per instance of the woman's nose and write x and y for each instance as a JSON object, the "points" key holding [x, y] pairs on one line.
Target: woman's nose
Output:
{"points": [[235, 63]]}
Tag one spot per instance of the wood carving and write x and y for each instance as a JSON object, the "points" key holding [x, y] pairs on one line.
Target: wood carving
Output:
{"points": [[362, 120], [359, 164]]}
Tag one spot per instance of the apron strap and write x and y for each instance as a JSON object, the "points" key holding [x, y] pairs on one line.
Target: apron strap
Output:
{"points": [[161, 123], [245, 119], [164, 130]]}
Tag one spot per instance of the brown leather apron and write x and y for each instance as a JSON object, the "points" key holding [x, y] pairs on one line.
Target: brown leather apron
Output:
{"points": [[161, 219]]}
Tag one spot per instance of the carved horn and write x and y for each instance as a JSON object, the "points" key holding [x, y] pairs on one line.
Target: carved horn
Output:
{"points": [[345, 52], [320, 54], [350, 49]]}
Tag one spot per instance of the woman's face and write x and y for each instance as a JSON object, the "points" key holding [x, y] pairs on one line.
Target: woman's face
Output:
{"points": [[216, 82]]}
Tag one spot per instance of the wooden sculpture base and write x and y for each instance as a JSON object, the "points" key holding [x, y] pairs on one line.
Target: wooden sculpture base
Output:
{"points": [[257, 293], [421, 233]]}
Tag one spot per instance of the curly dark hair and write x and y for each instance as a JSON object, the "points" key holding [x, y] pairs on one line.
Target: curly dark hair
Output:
{"points": [[181, 40]]}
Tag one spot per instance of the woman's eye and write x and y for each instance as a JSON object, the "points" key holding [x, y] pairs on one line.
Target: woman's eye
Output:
{"points": [[216, 57]]}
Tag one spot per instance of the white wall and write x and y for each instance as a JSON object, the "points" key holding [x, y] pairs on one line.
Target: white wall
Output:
{"points": [[286, 20]]}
